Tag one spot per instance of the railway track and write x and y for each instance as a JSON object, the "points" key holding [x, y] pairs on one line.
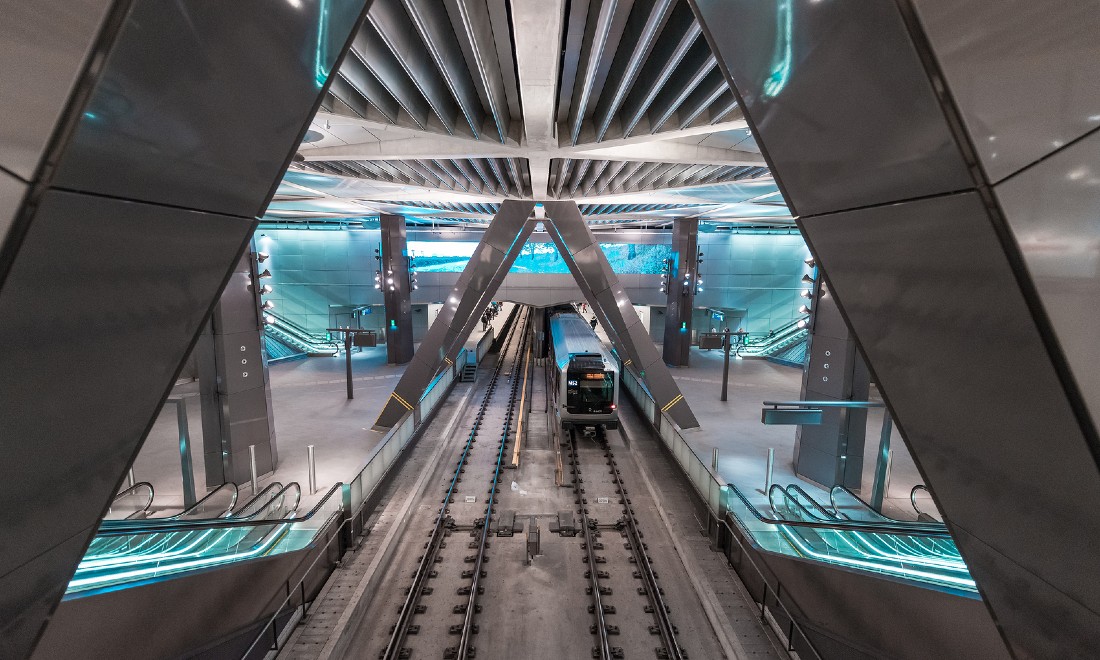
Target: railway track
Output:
{"points": [[470, 495], [594, 470]]}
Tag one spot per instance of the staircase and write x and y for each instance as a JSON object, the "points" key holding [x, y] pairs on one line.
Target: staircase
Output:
{"points": [[469, 373]]}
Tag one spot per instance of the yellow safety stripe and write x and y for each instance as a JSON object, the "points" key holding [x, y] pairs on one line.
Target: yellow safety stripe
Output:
{"points": [[401, 401], [672, 403], [448, 361], [628, 362]]}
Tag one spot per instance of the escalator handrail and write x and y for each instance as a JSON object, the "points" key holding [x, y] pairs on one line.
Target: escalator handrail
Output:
{"points": [[913, 499], [829, 515], [857, 498], [260, 499], [127, 524], [141, 485], [154, 526], [900, 529], [228, 510]]}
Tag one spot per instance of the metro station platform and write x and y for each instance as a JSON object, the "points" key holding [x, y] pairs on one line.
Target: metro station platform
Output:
{"points": [[309, 399], [734, 428]]}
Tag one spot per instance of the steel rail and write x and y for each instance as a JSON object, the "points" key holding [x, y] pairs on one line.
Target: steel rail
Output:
{"points": [[653, 590], [393, 648], [471, 607], [604, 649]]}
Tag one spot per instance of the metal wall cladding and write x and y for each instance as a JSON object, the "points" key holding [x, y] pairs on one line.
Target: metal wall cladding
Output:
{"points": [[240, 354], [830, 367], [507, 224], [568, 225], [237, 311], [993, 53], [43, 46], [1052, 209], [11, 196], [248, 425], [158, 128], [846, 120], [983, 413], [118, 288]]}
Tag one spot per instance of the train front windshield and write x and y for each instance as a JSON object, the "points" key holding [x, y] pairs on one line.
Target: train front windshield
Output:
{"points": [[590, 392]]}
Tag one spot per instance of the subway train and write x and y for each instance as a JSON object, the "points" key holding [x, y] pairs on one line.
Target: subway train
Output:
{"points": [[583, 376]]}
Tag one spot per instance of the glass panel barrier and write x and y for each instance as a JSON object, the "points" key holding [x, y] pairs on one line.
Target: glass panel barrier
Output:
{"points": [[846, 532]]}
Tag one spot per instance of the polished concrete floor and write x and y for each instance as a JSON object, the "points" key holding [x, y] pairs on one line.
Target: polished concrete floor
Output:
{"points": [[310, 407]]}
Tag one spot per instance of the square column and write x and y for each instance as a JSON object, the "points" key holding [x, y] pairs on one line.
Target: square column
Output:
{"points": [[683, 274], [396, 289]]}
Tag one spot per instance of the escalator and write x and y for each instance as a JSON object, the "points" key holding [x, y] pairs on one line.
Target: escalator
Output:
{"points": [[858, 583], [289, 340], [918, 551], [241, 556], [776, 344]]}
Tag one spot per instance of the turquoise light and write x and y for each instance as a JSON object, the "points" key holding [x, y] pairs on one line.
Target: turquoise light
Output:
{"points": [[321, 53], [781, 56]]}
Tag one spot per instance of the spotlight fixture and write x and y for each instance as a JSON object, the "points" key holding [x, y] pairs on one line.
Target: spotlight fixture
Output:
{"points": [[269, 319], [806, 294], [802, 323], [807, 279], [262, 257], [805, 309], [265, 289], [265, 274], [811, 263], [267, 305]]}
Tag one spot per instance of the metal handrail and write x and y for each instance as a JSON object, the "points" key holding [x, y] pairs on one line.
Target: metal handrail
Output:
{"points": [[141, 485], [154, 526], [913, 500], [900, 529]]}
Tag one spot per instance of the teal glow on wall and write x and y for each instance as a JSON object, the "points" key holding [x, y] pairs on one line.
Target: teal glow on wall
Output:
{"points": [[542, 258]]}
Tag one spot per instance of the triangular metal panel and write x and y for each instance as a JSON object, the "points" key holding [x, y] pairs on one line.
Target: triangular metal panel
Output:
{"points": [[601, 288], [476, 286]]}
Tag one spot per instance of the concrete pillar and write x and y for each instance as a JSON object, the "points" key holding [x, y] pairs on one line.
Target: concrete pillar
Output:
{"points": [[683, 273], [396, 289], [233, 382], [831, 453]]}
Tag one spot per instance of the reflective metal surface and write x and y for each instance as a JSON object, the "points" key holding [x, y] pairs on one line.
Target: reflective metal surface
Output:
{"points": [[1052, 209], [11, 196], [43, 46], [158, 128], [1022, 73], [933, 300], [476, 286], [847, 121], [160, 267]]}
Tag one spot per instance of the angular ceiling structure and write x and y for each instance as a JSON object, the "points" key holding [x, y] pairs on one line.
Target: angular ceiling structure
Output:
{"points": [[466, 102]]}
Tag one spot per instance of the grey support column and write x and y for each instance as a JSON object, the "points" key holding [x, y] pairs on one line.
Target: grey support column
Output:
{"points": [[479, 281], [951, 224], [143, 142], [601, 288], [396, 289], [831, 453], [683, 276], [234, 384]]}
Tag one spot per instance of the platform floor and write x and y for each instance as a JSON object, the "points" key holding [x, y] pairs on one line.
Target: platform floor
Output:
{"points": [[734, 427], [310, 405]]}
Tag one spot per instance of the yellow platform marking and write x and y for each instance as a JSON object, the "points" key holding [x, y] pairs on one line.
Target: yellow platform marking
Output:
{"points": [[401, 401], [679, 397]]}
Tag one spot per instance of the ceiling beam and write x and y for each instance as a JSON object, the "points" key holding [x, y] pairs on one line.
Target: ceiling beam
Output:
{"points": [[537, 27], [673, 152]]}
